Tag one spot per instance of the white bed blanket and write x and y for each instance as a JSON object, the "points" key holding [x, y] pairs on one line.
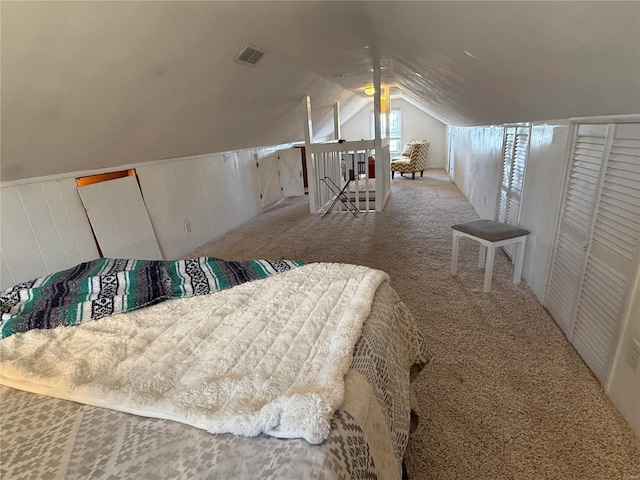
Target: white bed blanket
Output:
{"points": [[268, 356]]}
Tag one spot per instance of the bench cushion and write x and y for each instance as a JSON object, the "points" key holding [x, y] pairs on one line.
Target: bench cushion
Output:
{"points": [[490, 230]]}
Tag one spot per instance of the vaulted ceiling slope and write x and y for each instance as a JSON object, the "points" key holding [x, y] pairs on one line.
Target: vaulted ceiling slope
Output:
{"points": [[89, 85]]}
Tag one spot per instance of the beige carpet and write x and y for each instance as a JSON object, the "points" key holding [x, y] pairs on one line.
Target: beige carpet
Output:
{"points": [[506, 396]]}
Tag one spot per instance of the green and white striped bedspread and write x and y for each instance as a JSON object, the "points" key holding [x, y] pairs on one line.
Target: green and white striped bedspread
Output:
{"points": [[103, 287]]}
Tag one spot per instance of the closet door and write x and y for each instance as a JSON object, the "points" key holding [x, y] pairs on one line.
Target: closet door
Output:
{"points": [[612, 254], [515, 151], [120, 220], [269, 177], [581, 188]]}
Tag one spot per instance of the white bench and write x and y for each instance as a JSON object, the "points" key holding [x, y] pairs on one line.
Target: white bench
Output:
{"points": [[490, 234]]}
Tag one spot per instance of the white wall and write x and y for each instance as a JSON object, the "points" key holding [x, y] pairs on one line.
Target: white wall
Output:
{"points": [[476, 153], [624, 385], [213, 195], [44, 227], [416, 125], [541, 199]]}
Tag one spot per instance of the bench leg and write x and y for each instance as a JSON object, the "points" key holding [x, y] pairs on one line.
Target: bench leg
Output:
{"points": [[519, 256], [454, 254], [488, 271], [482, 256]]}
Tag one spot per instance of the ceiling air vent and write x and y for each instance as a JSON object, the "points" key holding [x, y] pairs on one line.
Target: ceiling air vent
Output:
{"points": [[249, 55]]}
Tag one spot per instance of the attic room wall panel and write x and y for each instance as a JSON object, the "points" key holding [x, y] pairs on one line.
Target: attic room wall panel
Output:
{"points": [[541, 197], [214, 196], [169, 201], [76, 215], [240, 193], [5, 274], [44, 228], [477, 164], [19, 245], [64, 227]]}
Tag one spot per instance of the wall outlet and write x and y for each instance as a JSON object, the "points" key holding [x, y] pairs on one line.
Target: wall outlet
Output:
{"points": [[187, 226], [634, 354]]}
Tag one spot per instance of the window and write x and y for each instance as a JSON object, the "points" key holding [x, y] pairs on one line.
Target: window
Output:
{"points": [[395, 130]]}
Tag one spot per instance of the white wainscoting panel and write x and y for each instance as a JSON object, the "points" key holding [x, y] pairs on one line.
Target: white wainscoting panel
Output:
{"points": [[212, 195], [70, 219], [19, 244], [44, 229], [541, 198], [43, 226], [5, 273]]}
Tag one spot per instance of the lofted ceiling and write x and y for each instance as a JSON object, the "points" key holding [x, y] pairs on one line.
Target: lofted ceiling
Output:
{"points": [[87, 85]]}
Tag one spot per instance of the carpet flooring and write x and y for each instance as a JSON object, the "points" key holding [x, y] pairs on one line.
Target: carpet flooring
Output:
{"points": [[506, 396]]}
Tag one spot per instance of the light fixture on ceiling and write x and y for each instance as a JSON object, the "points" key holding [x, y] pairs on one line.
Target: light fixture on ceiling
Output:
{"points": [[417, 74], [369, 90], [469, 54]]}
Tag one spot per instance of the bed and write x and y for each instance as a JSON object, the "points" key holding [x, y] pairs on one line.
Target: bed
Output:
{"points": [[72, 408]]}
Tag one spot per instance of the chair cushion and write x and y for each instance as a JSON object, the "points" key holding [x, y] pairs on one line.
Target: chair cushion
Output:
{"points": [[490, 230]]}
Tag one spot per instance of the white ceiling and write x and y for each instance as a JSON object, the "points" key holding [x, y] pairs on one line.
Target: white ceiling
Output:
{"points": [[89, 85]]}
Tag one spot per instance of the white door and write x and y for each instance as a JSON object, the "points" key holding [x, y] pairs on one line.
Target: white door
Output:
{"points": [[269, 176], [120, 220], [572, 239], [598, 242], [291, 179], [613, 250]]}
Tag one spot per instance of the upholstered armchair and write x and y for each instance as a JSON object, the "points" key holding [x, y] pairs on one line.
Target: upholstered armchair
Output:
{"points": [[413, 159]]}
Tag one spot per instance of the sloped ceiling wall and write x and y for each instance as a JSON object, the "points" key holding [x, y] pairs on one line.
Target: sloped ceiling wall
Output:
{"points": [[97, 84]]}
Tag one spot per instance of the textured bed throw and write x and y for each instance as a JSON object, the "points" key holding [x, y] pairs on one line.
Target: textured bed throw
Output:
{"points": [[102, 287], [267, 356]]}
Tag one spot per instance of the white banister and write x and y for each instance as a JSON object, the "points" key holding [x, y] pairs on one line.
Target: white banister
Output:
{"points": [[338, 173], [341, 147]]}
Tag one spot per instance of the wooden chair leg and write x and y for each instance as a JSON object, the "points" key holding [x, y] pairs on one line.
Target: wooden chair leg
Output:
{"points": [[421, 173], [392, 174], [413, 175]]}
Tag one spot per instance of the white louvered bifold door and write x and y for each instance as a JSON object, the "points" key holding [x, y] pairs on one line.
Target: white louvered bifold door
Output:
{"points": [[612, 253], [586, 157], [515, 151]]}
